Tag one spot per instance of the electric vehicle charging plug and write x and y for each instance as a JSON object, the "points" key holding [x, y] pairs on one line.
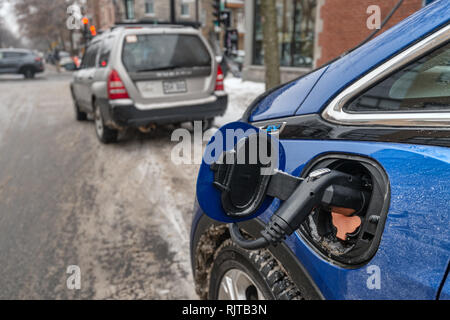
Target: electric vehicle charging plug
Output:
{"points": [[323, 188]]}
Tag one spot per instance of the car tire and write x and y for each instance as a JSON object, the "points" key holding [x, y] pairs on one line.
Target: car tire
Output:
{"points": [[207, 124], [105, 134], [239, 274], [28, 73], [79, 115]]}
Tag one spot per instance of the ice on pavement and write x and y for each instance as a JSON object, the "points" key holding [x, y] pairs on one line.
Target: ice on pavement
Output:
{"points": [[240, 95]]}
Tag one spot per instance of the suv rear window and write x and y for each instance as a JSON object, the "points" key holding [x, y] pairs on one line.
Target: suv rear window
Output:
{"points": [[154, 52]]}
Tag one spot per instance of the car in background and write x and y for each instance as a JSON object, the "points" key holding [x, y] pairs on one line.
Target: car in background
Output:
{"points": [[381, 114], [66, 61], [140, 76], [20, 61]]}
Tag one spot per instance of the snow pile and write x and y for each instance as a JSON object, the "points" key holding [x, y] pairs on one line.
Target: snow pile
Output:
{"points": [[240, 95]]}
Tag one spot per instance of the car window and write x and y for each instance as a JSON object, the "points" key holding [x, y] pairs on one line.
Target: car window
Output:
{"points": [[14, 54], [84, 60], [93, 50], [105, 51], [152, 52], [90, 57], [423, 85]]}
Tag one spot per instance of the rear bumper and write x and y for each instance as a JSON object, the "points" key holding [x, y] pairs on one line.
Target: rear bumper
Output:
{"points": [[130, 116]]}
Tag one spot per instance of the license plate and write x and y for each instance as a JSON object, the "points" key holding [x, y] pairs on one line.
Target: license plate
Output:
{"points": [[178, 86]]}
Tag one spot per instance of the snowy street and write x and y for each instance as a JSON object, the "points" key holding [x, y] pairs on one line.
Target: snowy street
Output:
{"points": [[121, 212]]}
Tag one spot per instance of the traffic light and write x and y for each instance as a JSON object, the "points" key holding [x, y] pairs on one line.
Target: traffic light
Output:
{"points": [[85, 22], [225, 18], [93, 31], [221, 15], [88, 31], [217, 12]]}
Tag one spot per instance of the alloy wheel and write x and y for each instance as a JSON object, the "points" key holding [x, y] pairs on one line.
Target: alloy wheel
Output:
{"points": [[237, 285]]}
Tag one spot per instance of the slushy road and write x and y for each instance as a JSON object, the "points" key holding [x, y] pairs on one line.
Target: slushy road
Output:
{"points": [[121, 212]]}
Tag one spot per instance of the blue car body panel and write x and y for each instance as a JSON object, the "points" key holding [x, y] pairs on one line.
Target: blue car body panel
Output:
{"points": [[415, 248], [286, 100]]}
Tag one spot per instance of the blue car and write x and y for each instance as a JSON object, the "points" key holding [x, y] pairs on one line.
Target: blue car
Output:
{"points": [[358, 204]]}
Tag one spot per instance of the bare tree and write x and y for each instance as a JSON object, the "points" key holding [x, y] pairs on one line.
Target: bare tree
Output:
{"points": [[43, 21], [270, 43], [8, 39]]}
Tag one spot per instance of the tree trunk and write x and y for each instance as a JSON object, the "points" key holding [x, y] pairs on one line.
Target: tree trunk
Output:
{"points": [[270, 43], [294, 27]]}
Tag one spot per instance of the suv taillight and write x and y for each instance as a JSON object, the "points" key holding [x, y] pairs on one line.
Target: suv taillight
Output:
{"points": [[116, 88], [219, 80]]}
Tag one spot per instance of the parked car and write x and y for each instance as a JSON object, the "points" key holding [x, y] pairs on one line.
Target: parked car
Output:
{"points": [[20, 61], [379, 116], [140, 76], [66, 61]]}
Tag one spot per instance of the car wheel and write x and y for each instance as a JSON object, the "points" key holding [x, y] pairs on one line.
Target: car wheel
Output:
{"points": [[105, 134], [208, 124], [238, 274], [28, 73], [79, 115]]}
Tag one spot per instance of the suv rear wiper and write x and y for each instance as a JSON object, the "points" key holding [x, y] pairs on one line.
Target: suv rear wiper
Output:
{"points": [[159, 68], [166, 68]]}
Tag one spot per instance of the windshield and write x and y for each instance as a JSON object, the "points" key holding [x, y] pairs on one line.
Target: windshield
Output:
{"points": [[143, 53]]}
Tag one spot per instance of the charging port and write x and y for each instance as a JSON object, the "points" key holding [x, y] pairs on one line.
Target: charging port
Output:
{"points": [[349, 238]]}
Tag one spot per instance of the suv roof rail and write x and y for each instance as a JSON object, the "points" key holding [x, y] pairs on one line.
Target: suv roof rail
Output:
{"points": [[157, 23]]}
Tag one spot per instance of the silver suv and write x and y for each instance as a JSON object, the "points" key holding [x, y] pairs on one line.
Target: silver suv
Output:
{"points": [[143, 75], [20, 61]]}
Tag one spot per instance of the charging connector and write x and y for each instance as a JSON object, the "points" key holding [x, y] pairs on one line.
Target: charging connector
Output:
{"points": [[323, 188]]}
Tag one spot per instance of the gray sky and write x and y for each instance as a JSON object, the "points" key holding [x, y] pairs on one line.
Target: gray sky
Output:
{"points": [[7, 13]]}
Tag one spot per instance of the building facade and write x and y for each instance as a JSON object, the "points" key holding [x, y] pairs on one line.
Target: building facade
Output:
{"points": [[186, 11], [102, 13], [137, 10], [312, 32]]}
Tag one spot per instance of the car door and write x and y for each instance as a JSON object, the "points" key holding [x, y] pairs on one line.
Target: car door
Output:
{"points": [[77, 81], [85, 77], [2, 59], [392, 127], [2, 62], [10, 61]]}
